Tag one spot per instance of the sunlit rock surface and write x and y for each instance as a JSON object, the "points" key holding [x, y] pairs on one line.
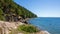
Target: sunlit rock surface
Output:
{"points": [[6, 27]]}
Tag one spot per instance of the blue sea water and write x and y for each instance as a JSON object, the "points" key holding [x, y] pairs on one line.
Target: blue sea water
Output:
{"points": [[50, 24]]}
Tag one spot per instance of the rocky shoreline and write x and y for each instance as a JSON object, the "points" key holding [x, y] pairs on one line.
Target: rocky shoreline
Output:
{"points": [[7, 27]]}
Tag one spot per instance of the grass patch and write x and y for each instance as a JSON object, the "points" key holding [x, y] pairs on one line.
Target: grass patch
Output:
{"points": [[25, 29], [28, 28]]}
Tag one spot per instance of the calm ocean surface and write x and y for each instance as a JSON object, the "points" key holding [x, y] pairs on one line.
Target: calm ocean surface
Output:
{"points": [[52, 25]]}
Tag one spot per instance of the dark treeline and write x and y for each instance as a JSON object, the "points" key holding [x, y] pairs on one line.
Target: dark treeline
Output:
{"points": [[9, 10]]}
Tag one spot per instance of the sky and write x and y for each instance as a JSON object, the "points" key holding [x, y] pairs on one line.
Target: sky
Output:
{"points": [[42, 8]]}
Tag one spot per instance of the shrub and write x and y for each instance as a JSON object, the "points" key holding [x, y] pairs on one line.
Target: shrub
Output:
{"points": [[1, 16], [28, 28]]}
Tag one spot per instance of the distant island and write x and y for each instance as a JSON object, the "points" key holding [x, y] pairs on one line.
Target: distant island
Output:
{"points": [[13, 19]]}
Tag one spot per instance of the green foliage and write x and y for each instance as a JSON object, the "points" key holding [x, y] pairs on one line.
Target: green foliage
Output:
{"points": [[28, 28], [10, 7], [25, 29], [1, 12], [1, 16]]}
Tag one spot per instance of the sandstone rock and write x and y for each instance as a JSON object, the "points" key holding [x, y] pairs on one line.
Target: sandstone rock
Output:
{"points": [[6, 27]]}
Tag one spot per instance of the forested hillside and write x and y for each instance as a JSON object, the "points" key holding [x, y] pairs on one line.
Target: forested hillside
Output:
{"points": [[9, 10]]}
